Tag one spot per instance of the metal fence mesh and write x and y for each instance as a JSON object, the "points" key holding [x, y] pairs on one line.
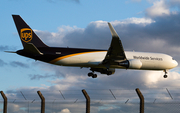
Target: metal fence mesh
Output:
{"points": [[102, 101]]}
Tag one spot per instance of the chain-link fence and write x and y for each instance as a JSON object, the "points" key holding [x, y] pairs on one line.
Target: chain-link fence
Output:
{"points": [[102, 101]]}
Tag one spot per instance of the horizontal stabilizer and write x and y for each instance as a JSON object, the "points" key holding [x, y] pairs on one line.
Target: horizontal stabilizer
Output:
{"points": [[30, 48], [10, 51]]}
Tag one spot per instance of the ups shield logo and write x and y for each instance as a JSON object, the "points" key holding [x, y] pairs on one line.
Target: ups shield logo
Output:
{"points": [[26, 35]]}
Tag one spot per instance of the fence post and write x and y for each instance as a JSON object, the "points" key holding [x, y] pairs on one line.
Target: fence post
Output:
{"points": [[5, 102], [141, 97], [42, 102], [87, 101]]}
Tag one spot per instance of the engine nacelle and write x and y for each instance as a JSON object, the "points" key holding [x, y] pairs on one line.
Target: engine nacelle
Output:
{"points": [[135, 64], [131, 64]]}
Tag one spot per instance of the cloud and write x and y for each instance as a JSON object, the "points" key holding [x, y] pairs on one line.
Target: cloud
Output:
{"points": [[38, 77], [159, 8], [15, 108], [133, 20], [151, 35], [71, 78], [163, 8], [174, 3], [56, 39], [73, 36], [19, 64], [2, 63], [159, 34], [122, 84], [65, 111], [5, 48]]}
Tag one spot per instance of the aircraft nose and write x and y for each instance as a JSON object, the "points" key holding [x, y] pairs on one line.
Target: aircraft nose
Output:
{"points": [[174, 63]]}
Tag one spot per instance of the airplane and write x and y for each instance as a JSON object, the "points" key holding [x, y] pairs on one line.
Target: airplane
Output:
{"points": [[103, 61]]}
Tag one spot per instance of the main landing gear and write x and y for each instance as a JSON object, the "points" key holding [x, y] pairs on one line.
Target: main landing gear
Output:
{"points": [[91, 74], [165, 76]]}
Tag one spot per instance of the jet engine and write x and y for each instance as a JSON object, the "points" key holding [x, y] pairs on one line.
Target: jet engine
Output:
{"points": [[131, 64]]}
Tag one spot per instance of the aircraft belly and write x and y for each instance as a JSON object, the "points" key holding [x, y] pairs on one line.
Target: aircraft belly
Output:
{"points": [[150, 65], [155, 65]]}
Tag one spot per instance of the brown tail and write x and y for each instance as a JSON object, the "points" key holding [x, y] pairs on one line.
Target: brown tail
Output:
{"points": [[26, 34]]}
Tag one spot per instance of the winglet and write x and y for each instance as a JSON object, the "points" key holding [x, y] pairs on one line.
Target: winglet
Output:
{"points": [[113, 32]]}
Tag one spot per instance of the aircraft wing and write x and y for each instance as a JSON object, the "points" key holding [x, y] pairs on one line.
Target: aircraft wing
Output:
{"points": [[115, 51]]}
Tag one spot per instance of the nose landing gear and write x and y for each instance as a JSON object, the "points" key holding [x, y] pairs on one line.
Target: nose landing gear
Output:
{"points": [[165, 76]]}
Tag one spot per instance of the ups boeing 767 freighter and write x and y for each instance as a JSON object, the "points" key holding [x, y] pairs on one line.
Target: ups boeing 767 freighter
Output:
{"points": [[103, 61]]}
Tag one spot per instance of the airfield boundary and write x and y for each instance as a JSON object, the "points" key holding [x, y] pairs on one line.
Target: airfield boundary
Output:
{"points": [[143, 101]]}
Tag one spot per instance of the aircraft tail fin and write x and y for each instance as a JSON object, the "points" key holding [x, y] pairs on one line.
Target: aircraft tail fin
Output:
{"points": [[26, 34]]}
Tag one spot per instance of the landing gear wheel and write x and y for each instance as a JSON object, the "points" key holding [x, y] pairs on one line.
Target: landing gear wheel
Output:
{"points": [[92, 75], [165, 76], [109, 73]]}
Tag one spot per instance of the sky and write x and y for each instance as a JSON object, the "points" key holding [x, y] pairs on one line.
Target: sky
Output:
{"points": [[142, 25]]}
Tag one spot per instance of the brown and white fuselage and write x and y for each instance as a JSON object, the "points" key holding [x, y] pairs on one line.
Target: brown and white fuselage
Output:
{"points": [[103, 61]]}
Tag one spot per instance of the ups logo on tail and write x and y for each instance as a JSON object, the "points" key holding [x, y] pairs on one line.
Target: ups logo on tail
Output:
{"points": [[26, 35]]}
